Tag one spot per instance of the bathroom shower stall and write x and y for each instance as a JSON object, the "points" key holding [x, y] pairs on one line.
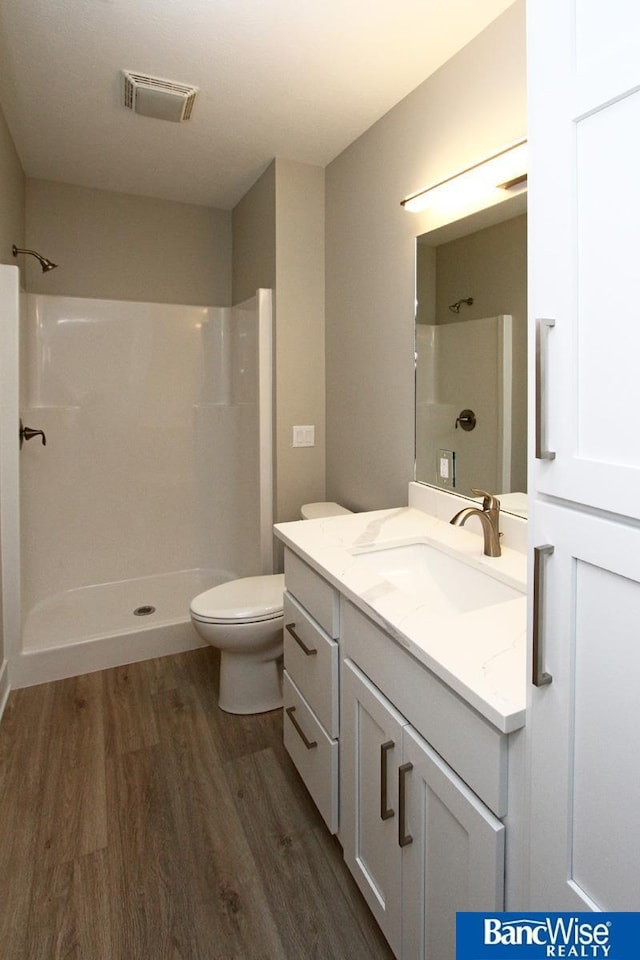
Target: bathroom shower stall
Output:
{"points": [[155, 482]]}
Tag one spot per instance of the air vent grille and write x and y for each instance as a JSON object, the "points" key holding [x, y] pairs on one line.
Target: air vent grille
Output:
{"points": [[158, 98]]}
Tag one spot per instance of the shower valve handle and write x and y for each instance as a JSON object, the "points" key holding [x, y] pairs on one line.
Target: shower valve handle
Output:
{"points": [[28, 433]]}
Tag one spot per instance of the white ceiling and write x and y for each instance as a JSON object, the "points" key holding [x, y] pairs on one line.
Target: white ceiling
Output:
{"points": [[299, 79]]}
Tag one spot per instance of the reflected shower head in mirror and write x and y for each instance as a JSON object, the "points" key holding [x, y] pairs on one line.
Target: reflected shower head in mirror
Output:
{"points": [[44, 263], [455, 307]]}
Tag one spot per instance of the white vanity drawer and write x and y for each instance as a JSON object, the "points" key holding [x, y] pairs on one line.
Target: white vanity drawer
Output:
{"points": [[475, 749], [313, 592], [312, 751], [311, 659]]}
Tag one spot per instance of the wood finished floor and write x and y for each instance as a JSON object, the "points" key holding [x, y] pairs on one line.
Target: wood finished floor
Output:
{"points": [[139, 822]]}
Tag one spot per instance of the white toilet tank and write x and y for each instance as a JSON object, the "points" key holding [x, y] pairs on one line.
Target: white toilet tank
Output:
{"points": [[315, 511]]}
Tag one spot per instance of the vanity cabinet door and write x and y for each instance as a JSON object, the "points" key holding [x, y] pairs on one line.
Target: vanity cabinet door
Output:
{"points": [[455, 859], [371, 749], [583, 722], [584, 206], [418, 841]]}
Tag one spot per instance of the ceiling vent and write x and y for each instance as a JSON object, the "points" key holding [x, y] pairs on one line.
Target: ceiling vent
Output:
{"points": [[160, 99]]}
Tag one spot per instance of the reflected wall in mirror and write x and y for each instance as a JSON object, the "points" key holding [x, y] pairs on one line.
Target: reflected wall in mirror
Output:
{"points": [[471, 355]]}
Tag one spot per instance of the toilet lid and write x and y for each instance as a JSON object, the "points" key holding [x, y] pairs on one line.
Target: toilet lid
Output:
{"points": [[317, 511], [247, 600]]}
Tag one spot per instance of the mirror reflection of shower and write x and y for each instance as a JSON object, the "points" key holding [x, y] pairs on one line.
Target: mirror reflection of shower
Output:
{"points": [[468, 276], [44, 263]]}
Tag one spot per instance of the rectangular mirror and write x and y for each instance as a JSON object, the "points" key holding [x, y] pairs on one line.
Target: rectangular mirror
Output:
{"points": [[471, 355]]}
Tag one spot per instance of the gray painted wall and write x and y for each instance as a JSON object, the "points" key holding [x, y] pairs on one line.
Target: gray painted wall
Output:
{"points": [[300, 367], [12, 195], [278, 242], [117, 246], [474, 104], [254, 238]]}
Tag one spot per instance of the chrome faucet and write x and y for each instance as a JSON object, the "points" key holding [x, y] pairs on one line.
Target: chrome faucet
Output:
{"points": [[489, 517]]}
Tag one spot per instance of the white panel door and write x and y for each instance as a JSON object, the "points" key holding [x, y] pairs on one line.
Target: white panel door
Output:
{"points": [[371, 751], [454, 859], [583, 724], [584, 209]]}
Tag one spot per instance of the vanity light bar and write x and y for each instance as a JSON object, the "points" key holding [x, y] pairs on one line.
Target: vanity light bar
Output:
{"points": [[482, 181]]}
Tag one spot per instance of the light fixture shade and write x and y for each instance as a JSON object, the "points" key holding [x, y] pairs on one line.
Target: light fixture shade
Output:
{"points": [[484, 182]]}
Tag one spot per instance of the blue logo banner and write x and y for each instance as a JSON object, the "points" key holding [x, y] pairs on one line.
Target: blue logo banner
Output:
{"points": [[533, 936]]}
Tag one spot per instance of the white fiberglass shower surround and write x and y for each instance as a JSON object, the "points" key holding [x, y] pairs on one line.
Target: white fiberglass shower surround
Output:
{"points": [[156, 479]]}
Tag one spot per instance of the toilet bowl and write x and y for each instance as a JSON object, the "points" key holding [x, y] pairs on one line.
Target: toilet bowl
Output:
{"points": [[244, 620]]}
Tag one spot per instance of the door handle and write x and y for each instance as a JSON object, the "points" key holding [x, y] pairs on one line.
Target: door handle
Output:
{"points": [[386, 812], [539, 676], [542, 328], [309, 651], [309, 744], [404, 838]]}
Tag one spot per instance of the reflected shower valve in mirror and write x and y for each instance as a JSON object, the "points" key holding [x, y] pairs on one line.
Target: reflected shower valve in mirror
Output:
{"points": [[466, 420]]}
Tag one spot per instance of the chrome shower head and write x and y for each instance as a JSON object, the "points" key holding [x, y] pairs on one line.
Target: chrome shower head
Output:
{"points": [[44, 263]]}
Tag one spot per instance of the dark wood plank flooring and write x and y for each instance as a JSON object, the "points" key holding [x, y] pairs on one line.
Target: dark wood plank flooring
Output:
{"points": [[140, 822]]}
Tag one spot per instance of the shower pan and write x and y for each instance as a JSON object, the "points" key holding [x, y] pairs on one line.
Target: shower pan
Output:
{"points": [[156, 480]]}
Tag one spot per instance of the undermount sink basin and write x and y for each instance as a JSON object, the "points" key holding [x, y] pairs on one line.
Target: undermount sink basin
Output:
{"points": [[447, 585]]}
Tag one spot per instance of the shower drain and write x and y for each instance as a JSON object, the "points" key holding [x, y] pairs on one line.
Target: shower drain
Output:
{"points": [[144, 610]]}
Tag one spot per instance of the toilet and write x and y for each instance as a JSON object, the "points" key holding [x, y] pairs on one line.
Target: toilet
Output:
{"points": [[244, 620]]}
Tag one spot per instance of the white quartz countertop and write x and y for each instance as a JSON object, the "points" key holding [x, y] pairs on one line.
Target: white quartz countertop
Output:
{"points": [[480, 654]]}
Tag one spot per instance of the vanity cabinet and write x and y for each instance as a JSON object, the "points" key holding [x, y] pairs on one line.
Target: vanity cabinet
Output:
{"points": [[310, 683], [419, 842], [426, 780], [585, 786], [584, 112]]}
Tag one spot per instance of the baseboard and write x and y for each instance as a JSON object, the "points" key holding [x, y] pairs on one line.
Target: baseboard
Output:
{"points": [[57, 663], [5, 688]]}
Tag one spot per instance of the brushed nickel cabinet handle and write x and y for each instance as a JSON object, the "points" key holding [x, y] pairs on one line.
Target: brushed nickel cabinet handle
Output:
{"points": [[385, 812], [309, 744], [309, 651], [538, 675], [542, 328], [404, 838]]}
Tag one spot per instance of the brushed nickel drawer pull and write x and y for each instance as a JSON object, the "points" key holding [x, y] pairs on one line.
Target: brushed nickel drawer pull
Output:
{"points": [[309, 651], [385, 812], [541, 389], [538, 675], [309, 744], [404, 838]]}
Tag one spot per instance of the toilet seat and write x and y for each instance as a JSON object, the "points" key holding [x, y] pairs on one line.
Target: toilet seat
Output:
{"points": [[248, 600]]}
